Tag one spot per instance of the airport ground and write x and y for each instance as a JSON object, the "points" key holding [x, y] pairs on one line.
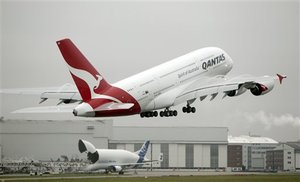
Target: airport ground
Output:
{"points": [[186, 176]]}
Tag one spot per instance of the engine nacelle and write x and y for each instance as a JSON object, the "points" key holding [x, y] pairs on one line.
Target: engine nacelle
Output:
{"points": [[237, 92], [262, 88], [117, 168]]}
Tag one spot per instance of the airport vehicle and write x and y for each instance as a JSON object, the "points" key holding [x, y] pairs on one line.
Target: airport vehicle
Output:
{"points": [[198, 74], [114, 160]]}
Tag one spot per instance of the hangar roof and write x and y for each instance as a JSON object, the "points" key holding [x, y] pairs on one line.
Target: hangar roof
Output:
{"points": [[244, 139], [295, 145]]}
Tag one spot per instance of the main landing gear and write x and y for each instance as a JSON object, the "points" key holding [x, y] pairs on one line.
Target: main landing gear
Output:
{"points": [[149, 114], [165, 113], [188, 109], [168, 113]]}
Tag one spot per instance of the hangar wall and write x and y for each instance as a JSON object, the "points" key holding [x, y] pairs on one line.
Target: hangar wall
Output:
{"points": [[297, 161], [182, 147], [45, 140]]}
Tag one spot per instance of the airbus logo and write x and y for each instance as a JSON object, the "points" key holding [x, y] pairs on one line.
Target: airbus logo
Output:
{"points": [[213, 61]]}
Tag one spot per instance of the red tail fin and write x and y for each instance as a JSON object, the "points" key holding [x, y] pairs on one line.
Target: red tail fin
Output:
{"points": [[85, 76]]}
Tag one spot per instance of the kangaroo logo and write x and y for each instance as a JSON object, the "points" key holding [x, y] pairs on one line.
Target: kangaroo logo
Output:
{"points": [[92, 82]]}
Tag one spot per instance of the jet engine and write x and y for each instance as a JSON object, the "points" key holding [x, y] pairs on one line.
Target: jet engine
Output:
{"points": [[116, 168], [262, 88], [237, 92]]}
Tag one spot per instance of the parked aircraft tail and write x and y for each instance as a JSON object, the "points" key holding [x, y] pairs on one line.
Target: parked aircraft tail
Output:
{"points": [[143, 150]]}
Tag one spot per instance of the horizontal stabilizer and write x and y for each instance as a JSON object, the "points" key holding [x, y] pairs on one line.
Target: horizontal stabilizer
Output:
{"points": [[37, 91], [114, 106], [280, 77], [46, 109]]}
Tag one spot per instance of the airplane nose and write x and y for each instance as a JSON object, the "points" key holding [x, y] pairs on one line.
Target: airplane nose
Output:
{"points": [[75, 112]]}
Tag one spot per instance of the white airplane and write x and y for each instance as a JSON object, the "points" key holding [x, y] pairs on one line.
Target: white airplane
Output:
{"points": [[198, 74], [114, 160]]}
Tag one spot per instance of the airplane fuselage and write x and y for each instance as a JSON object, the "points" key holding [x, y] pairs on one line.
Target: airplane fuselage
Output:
{"points": [[158, 87], [109, 158]]}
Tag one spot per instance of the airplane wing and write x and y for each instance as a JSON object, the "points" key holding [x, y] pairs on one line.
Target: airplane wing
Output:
{"points": [[69, 108], [125, 166], [67, 93], [229, 87], [145, 161]]}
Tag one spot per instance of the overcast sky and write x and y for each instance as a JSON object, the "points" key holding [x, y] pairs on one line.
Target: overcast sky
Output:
{"points": [[122, 38]]}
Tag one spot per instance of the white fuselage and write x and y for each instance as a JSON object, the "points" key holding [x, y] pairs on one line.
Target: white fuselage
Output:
{"points": [[112, 157], [158, 87]]}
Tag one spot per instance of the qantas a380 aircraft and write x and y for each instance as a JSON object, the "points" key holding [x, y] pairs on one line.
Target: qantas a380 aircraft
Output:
{"points": [[198, 74]]}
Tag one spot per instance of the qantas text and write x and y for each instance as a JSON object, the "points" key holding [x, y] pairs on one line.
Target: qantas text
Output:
{"points": [[213, 61]]}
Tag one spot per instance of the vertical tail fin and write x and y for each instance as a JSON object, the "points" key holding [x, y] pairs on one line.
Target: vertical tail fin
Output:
{"points": [[85, 76], [280, 77], [143, 150]]}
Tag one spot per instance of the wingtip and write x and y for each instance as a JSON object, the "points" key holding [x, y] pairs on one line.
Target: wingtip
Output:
{"points": [[281, 77]]}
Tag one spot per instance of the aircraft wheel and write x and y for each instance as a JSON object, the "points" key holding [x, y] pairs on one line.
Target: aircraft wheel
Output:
{"points": [[161, 113], [175, 113], [188, 110], [166, 113], [193, 109], [155, 113], [142, 115], [184, 109], [151, 114], [170, 113], [121, 172]]}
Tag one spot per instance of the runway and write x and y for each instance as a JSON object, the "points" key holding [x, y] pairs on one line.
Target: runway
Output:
{"points": [[133, 173]]}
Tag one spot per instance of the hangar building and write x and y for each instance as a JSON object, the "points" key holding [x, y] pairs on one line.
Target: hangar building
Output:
{"points": [[182, 147], [191, 147], [296, 146], [249, 152], [280, 158]]}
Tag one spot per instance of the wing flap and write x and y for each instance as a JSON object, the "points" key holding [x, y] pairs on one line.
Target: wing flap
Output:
{"points": [[202, 92]]}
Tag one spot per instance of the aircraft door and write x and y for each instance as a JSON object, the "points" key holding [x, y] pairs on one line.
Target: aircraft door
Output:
{"points": [[146, 92]]}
